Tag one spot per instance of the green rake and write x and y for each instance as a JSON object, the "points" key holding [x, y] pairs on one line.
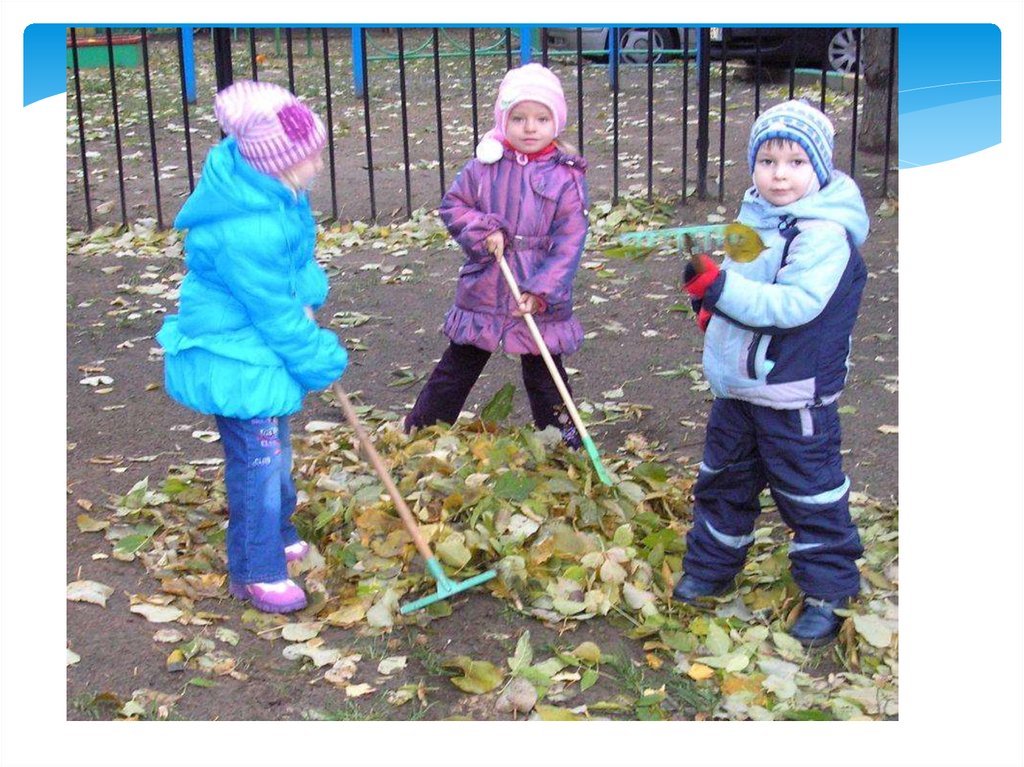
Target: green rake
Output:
{"points": [[585, 438], [446, 587], [740, 241]]}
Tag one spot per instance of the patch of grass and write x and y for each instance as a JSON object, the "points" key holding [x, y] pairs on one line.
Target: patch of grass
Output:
{"points": [[630, 675], [350, 712], [431, 660], [686, 692], [102, 705]]}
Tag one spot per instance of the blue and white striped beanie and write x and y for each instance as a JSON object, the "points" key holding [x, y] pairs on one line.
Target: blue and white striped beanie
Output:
{"points": [[801, 123]]}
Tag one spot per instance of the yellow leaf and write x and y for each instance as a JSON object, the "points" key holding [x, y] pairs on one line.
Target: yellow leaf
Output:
{"points": [[699, 671], [654, 661]]}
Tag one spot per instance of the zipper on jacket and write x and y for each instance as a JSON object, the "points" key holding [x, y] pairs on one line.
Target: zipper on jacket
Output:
{"points": [[752, 355]]}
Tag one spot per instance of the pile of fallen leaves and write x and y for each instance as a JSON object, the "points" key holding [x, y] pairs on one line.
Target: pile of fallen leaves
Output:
{"points": [[566, 548]]}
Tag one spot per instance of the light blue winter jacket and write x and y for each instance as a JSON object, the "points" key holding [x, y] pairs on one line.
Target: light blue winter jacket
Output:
{"points": [[241, 345], [780, 333]]}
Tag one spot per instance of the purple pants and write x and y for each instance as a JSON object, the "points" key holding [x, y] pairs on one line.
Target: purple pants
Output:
{"points": [[445, 392]]}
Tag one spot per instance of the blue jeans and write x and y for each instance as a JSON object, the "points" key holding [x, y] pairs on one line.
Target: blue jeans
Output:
{"points": [[261, 497], [796, 454]]}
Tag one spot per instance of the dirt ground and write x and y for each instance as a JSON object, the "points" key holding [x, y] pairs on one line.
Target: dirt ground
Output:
{"points": [[134, 431]]}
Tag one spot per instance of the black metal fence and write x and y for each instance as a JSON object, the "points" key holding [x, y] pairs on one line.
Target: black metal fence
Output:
{"points": [[654, 119]]}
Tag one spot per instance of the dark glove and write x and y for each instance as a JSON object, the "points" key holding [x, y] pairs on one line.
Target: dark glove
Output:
{"points": [[697, 282]]}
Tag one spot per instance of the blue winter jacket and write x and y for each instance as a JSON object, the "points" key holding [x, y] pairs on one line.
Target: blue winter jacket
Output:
{"points": [[781, 327], [241, 345]]}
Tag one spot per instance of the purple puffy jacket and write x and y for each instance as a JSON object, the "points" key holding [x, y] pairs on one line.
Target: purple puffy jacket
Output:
{"points": [[541, 208]]}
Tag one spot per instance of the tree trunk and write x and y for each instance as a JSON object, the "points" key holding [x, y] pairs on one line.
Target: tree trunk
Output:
{"points": [[875, 52]]}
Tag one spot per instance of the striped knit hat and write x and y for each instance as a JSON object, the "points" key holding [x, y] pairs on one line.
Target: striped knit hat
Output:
{"points": [[273, 128], [801, 123]]}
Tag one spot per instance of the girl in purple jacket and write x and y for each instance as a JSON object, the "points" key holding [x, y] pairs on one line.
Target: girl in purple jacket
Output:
{"points": [[523, 195]]}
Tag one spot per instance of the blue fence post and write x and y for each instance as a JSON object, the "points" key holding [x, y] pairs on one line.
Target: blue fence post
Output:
{"points": [[357, 60], [613, 57], [189, 64], [525, 38]]}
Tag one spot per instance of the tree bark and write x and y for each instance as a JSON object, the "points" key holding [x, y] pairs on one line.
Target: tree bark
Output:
{"points": [[875, 51]]}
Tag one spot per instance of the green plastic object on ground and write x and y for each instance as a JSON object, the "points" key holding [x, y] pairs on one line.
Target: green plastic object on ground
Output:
{"points": [[446, 587]]}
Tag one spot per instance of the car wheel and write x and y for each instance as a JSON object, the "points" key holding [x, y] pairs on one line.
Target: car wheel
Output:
{"points": [[842, 51], [633, 46]]}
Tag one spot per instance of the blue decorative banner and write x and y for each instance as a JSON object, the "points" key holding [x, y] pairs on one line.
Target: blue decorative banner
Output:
{"points": [[949, 91]]}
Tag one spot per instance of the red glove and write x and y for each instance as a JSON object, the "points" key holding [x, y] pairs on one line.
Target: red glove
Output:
{"points": [[697, 282], [703, 318]]}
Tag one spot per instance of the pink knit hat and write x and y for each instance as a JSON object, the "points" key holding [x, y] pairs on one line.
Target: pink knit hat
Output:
{"points": [[530, 82], [273, 128]]}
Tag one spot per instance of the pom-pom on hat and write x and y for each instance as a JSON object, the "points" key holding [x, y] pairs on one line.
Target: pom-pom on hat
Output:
{"points": [[273, 128], [530, 82], [801, 123]]}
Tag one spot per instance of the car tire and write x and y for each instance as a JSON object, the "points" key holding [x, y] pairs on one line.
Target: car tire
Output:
{"points": [[842, 51], [633, 44]]}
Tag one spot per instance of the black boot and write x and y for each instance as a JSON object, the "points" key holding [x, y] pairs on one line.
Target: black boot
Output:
{"points": [[818, 624], [691, 589]]}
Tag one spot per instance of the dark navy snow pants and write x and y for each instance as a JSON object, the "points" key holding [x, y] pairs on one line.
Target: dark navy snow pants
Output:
{"points": [[796, 454]]}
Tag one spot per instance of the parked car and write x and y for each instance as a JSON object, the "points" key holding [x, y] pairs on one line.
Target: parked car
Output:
{"points": [[814, 45], [633, 42], [776, 45]]}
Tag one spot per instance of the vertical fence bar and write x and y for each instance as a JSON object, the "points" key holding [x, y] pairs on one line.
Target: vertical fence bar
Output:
{"points": [[81, 128], [184, 107], [524, 45], [472, 83], [613, 57], [721, 128], [579, 86], [757, 75], [888, 110], [366, 116], [856, 108], [187, 61], [330, 122], [291, 58], [405, 122], [703, 107], [792, 66], [437, 102], [358, 61], [508, 48], [222, 57], [613, 73], [544, 46], [117, 126], [686, 103], [650, 114], [252, 53], [824, 77], [152, 129]]}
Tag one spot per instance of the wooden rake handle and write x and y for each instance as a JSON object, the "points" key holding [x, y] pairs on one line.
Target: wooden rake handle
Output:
{"points": [[544, 353], [382, 471]]}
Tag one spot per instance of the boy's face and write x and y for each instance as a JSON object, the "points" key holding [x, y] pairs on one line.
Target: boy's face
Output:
{"points": [[529, 127], [782, 172]]}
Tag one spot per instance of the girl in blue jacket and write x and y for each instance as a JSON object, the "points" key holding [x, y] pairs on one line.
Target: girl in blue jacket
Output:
{"points": [[244, 346]]}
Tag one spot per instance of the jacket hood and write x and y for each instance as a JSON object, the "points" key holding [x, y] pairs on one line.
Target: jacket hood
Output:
{"points": [[839, 201], [230, 186]]}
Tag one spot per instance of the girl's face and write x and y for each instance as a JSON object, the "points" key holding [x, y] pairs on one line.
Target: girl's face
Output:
{"points": [[530, 127], [300, 176], [782, 172]]}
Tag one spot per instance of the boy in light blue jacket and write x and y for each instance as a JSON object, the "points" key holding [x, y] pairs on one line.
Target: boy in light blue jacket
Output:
{"points": [[244, 346], [776, 353]]}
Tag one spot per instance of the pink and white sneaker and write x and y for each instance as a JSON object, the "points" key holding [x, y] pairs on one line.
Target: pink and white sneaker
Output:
{"points": [[296, 551], [278, 597]]}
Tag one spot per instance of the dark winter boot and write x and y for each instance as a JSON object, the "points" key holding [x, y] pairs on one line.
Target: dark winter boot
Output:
{"points": [[691, 589], [818, 624]]}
